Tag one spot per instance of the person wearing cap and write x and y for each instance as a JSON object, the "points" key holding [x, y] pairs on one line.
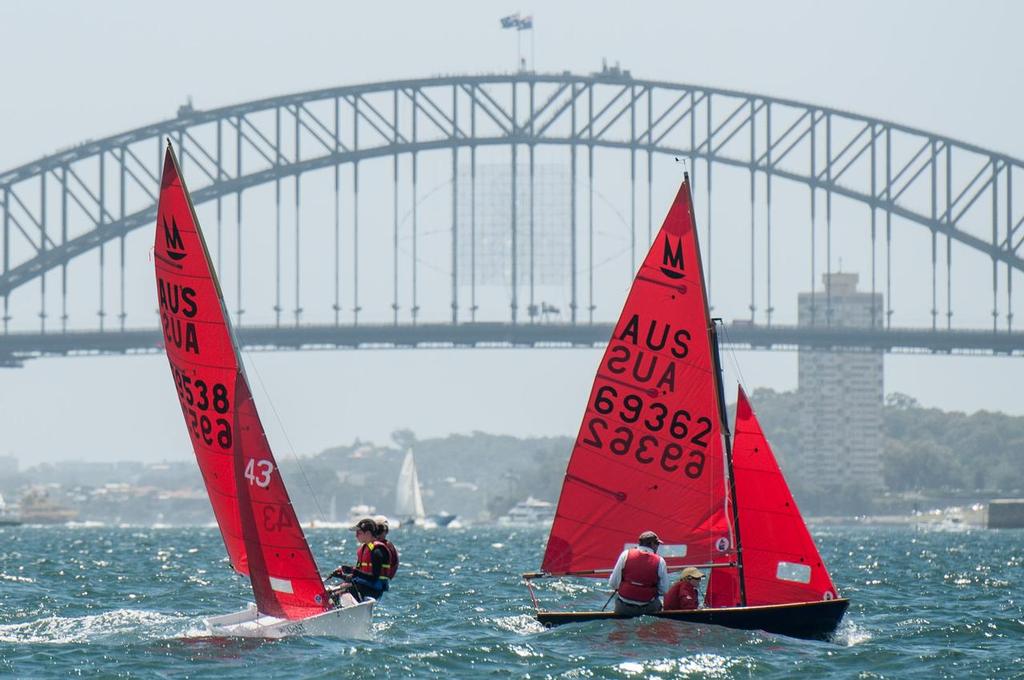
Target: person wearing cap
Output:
{"points": [[640, 578], [369, 578], [683, 593], [382, 537]]}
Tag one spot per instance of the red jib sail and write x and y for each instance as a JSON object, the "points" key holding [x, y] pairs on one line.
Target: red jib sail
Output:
{"points": [[781, 564], [253, 511], [649, 452]]}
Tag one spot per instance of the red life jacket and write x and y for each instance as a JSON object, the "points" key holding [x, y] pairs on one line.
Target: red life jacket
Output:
{"points": [[393, 551], [640, 576], [682, 595], [364, 560]]}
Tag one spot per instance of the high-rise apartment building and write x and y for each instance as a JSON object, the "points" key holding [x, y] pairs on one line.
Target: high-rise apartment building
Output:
{"points": [[841, 393]]}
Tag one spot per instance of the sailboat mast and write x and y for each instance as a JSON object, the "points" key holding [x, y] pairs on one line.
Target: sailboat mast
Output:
{"points": [[713, 333], [722, 413], [720, 395]]}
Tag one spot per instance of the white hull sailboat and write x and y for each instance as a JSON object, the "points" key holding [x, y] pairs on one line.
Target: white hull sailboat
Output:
{"points": [[254, 513], [409, 510], [350, 622]]}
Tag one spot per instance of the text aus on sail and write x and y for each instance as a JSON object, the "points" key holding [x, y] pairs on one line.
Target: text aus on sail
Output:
{"points": [[631, 414]]}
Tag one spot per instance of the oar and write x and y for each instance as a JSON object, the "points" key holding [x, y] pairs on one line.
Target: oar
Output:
{"points": [[609, 599]]}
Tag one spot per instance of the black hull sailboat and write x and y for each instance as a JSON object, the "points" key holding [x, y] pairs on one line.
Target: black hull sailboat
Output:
{"points": [[655, 453], [805, 620]]}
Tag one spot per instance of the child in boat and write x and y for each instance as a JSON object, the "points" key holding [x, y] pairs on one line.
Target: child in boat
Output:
{"points": [[382, 537], [369, 578], [683, 593]]}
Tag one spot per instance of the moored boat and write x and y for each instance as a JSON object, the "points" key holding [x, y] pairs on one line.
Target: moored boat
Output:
{"points": [[8, 518], [36, 507], [408, 494], [529, 513]]}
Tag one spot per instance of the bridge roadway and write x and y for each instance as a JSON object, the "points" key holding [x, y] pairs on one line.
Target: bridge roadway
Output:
{"points": [[17, 347]]}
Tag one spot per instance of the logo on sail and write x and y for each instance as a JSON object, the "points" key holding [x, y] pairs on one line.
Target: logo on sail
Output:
{"points": [[172, 238], [672, 259]]}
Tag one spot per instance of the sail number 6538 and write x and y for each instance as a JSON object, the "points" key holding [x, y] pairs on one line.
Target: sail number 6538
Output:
{"points": [[258, 472]]}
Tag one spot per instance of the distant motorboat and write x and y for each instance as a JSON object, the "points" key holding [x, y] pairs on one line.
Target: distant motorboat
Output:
{"points": [[8, 518], [529, 513], [441, 519], [360, 511], [38, 508]]}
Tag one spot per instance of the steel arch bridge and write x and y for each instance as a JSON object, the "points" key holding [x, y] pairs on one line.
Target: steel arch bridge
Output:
{"points": [[89, 198]]}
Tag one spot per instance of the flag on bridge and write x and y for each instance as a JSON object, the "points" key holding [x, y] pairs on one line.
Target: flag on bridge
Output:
{"points": [[511, 21]]}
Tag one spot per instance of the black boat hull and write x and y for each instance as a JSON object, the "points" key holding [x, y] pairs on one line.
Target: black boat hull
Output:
{"points": [[806, 620]]}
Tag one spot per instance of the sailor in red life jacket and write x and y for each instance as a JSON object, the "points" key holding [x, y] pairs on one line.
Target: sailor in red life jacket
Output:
{"points": [[683, 593], [382, 538], [640, 578], [369, 578]]}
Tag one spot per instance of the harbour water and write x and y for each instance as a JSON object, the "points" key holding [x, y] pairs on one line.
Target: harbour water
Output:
{"points": [[128, 602]]}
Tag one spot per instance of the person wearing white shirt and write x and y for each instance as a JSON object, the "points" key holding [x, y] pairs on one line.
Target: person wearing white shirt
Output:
{"points": [[640, 578]]}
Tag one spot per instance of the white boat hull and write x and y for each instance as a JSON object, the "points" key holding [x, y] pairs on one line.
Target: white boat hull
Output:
{"points": [[351, 622]]}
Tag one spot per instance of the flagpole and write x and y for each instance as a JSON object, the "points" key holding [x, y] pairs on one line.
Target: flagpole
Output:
{"points": [[519, 49], [533, 51]]}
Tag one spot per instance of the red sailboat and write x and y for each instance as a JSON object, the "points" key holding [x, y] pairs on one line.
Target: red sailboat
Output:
{"points": [[654, 452], [254, 513]]}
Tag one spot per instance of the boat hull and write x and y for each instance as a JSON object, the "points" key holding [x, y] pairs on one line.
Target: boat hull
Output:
{"points": [[353, 622], [806, 620], [442, 520]]}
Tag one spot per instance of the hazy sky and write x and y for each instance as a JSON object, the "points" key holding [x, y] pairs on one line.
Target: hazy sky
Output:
{"points": [[74, 71]]}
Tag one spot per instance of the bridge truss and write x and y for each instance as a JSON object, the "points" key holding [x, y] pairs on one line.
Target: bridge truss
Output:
{"points": [[88, 199]]}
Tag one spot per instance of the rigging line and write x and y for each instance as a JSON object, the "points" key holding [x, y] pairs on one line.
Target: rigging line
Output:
{"points": [[291, 447], [732, 356], [419, 201]]}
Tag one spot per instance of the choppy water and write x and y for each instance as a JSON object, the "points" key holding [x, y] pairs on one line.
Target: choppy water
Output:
{"points": [[128, 602]]}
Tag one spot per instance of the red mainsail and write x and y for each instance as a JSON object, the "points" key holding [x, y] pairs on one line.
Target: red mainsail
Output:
{"points": [[649, 454], [255, 516], [781, 564]]}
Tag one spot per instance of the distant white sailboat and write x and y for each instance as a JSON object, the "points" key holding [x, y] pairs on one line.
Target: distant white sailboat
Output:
{"points": [[408, 495]]}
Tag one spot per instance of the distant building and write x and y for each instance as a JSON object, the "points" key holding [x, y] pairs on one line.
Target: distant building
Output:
{"points": [[841, 393], [8, 466]]}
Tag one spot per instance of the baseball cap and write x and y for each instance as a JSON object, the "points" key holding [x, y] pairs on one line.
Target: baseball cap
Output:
{"points": [[365, 524], [649, 537]]}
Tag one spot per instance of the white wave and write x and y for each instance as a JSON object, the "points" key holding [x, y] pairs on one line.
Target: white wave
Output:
{"points": [[849, 634], [16, 579], [567, 587], [76, 629], [520, 625], [701, 665]]}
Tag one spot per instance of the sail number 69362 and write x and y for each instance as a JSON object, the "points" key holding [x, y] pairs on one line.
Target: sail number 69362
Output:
{"points": [[644, 448], [635, 414]]}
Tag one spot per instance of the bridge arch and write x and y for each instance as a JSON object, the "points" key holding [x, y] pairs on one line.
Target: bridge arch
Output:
{"points": [[106, 188]]}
